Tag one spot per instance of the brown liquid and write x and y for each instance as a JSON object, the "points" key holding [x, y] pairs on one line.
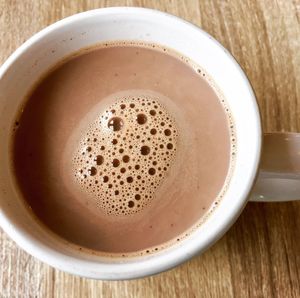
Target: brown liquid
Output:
{"points": [[74, 131]]}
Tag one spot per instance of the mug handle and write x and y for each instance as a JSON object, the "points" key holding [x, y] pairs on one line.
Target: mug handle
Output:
{"points": [[278, 178]]}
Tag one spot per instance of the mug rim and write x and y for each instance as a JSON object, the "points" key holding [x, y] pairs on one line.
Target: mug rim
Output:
{"points": [[146, 265]]}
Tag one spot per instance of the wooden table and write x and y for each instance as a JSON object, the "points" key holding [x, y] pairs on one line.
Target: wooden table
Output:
{"points": [[260, 255]]}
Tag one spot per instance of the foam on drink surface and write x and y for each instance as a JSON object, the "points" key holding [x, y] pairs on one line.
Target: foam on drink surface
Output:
{"points": [[126, 153]]}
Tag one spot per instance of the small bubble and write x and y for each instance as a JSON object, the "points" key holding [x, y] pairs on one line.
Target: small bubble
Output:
{"points": [[153, 131], [129, 179], [123, 170], [114, 141], [141, 118], [92, 171], [116, 162], [126, 158], [105, 179], [170, 146], [167, 132], [99, 160], [132, 105], [115, 124], [121, 150], [116, 192], [151, 171], [152, 112], [137, 167], [145, 150], [130, 204], [122, 106]]}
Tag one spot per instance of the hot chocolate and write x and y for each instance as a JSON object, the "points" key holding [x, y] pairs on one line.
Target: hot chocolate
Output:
{"points": [[123, 147]]}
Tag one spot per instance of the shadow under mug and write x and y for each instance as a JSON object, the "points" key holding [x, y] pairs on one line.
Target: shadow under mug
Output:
{"points": [[277, 173]]}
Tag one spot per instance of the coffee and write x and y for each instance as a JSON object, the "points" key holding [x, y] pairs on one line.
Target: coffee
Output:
{"points": [[123, 148]]}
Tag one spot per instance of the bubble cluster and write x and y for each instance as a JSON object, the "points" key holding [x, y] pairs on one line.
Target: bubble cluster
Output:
{"points": [[126, 154]]}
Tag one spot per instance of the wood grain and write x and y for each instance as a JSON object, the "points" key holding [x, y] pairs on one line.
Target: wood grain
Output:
{"points": [[260, 255]]}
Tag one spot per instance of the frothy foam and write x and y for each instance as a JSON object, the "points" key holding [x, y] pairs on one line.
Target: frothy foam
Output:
{"points": [[126, 153]]}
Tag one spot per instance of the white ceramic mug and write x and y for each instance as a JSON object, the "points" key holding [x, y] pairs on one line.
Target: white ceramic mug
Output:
{"points": [[277, 178]]}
